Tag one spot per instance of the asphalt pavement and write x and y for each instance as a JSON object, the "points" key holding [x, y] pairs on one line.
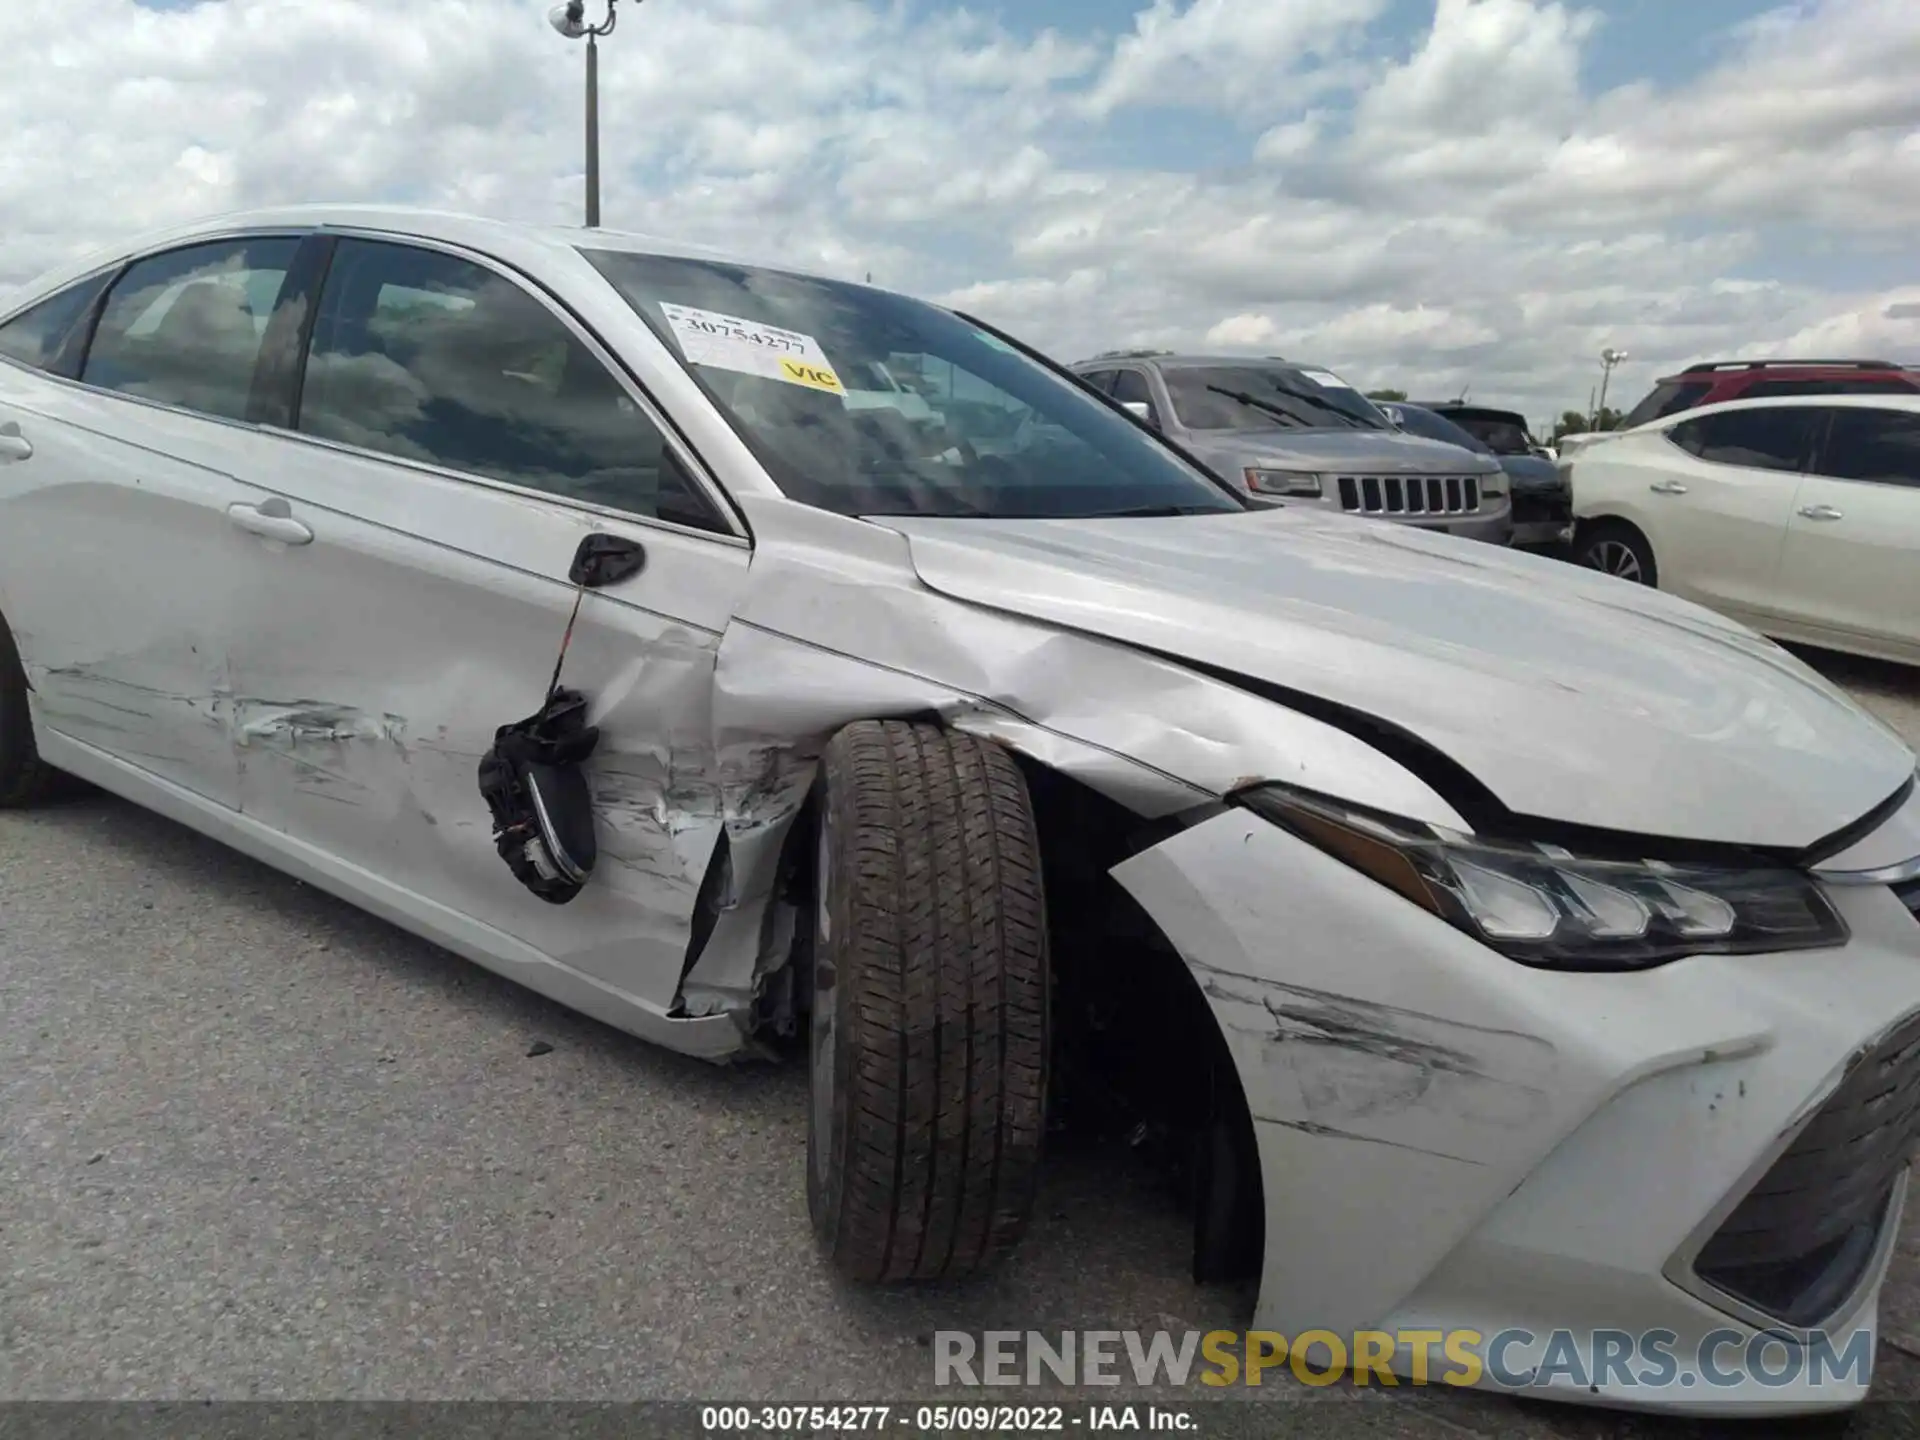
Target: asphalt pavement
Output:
{"points": [[257, 1144]]}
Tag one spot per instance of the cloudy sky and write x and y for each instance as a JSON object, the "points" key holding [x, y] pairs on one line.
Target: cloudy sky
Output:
{"points": [[1429, 194]]}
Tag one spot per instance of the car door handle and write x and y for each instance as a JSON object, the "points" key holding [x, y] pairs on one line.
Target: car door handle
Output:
{"points": [[271, 519], [1820, 512], [1668, 487], [14, 445]]}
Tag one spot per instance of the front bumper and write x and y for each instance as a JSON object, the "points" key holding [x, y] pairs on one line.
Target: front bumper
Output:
{"points": [[1450, 1141], [1542, 515]]}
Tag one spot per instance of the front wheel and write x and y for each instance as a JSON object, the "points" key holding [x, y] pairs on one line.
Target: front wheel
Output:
{"points": [[929, 1015], [1618, 549]]}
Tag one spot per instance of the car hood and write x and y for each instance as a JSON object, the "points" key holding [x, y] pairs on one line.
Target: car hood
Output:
{"points": [[1530, 472], [1571, 445], [1570, 695], [1373, 452]]}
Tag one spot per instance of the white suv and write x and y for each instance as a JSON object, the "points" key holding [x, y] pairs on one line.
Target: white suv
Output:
{"points": [[1799, 516]]}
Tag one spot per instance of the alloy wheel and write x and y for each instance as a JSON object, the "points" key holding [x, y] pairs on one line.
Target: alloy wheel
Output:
{"points": [[1615, 558]]}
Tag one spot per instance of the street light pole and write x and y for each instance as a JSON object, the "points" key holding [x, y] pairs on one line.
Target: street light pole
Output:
{"points": [[593, 130], [570, 20], [1608, 359]]}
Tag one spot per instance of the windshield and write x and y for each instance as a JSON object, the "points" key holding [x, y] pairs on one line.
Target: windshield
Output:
{"points": [[1669, 397], [1429, 426], [865, 402], [1260, 397]]}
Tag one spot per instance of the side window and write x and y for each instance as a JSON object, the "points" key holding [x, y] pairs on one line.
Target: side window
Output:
{"points": [[1132, 386], [433, 358], [34, 337], [185, 327], [1771, 439], [1882, 446], [1101, 380]]}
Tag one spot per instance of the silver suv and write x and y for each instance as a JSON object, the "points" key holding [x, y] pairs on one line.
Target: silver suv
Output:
{"points": [[1285, 433]]}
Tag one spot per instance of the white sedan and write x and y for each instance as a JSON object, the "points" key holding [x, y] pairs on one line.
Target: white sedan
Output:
{"points": [[1514, 956], [1797, 516]]}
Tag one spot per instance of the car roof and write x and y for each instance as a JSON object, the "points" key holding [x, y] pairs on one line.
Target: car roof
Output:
{"points": [[1881, 401], [508, 239], [1720, 368]]}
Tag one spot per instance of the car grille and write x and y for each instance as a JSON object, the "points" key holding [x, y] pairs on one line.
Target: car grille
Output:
{"points": [[1410, 494], [1800, 1240]]}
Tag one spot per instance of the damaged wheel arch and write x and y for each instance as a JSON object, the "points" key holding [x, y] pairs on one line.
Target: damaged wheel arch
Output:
{"points": [[25, 779]]}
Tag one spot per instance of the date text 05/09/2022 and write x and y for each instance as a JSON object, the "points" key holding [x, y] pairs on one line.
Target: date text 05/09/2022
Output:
{"points": [[942, 1419]]}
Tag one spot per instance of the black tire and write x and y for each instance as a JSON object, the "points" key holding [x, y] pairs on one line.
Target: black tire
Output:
{"points": [[1618, 549], [25, 779], [930, 1019]]}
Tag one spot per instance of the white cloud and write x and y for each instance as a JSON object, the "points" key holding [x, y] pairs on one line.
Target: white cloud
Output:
{"points": [[1235, 54], [1243, 332], [1884, 326], [1459, 206]]}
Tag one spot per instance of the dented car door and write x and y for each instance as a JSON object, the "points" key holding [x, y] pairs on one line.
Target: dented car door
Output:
{"points": [[126, 499], [453, 440]]}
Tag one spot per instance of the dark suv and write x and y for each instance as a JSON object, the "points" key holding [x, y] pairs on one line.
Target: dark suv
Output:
{"points": [[1718, 380]]}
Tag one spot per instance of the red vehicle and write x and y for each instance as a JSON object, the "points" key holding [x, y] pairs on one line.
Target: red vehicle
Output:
{"points": [[1714, 381]]}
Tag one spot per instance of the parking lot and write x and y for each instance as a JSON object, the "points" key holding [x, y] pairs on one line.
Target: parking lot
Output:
{"points": [[258, 1144]]}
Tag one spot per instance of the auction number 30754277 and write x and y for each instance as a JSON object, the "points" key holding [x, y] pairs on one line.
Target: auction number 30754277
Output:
{"points": [[923, 1418]]}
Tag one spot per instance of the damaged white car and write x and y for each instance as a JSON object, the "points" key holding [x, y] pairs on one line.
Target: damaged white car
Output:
{"points": [[1509, 946]]}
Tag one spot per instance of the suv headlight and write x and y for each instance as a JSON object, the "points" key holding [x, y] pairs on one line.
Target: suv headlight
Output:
{"points": [[1283, 482], [1546, 906], [1493, 486]]}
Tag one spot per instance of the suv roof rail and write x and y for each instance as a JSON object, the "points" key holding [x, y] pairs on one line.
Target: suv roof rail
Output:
{"points": [[1710, 366]]}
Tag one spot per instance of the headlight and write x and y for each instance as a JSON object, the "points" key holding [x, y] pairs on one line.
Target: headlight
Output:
{"points": [[1494, 486], [1283, 482], [1546, 906]]}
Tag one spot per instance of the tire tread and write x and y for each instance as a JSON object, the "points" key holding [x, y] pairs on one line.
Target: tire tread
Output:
{"points": [[945, 960]]}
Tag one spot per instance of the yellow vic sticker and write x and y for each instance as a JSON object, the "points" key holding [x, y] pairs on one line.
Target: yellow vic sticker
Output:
{"points": [[820, 377]]}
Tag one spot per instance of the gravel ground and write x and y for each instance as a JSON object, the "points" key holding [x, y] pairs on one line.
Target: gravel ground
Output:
{"points": [[257, 1144]]}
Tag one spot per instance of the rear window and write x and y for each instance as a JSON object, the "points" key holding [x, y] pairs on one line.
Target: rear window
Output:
{"points": [[1669, 397], [1431, 426], [1499, 434]]}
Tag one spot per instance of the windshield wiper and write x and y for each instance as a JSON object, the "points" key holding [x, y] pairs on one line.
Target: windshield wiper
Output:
{"points": [[1151, 512], [1354, 422], [1254, 402]]}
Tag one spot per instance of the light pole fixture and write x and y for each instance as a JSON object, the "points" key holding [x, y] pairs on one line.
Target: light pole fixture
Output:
{"points": [[1608, 359], [570, 19]]}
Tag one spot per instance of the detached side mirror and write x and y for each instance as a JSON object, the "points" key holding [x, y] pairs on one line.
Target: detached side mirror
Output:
{"points": [[1140, 410], [604, 559]]}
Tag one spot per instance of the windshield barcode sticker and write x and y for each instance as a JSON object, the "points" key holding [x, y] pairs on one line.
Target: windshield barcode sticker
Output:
{"points": [[727, 342], [1326, 379]]}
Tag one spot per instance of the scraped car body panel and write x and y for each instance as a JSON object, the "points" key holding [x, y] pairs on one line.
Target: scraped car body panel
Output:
{"points": [[1568, 695], [1446, 1136]]}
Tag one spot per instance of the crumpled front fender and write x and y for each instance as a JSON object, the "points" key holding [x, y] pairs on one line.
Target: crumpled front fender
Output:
{"points": [[835, 626]]}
